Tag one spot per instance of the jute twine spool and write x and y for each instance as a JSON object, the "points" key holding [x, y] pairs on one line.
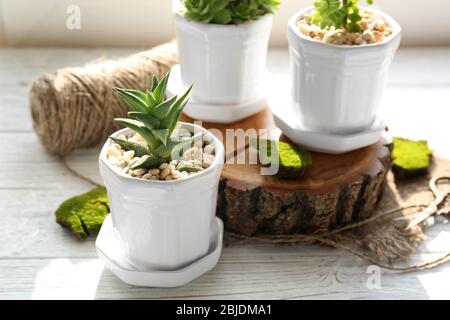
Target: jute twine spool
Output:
{"points": [[74, 107]]}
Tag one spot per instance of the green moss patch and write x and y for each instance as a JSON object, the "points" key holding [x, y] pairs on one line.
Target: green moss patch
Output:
{"points": [[292, 160], [84, 214], [411, 158]]}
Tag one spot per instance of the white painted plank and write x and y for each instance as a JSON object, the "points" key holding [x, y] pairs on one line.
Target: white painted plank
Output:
{"points": [[33, 233], [14, 113], [26, 165], [234, 277]]}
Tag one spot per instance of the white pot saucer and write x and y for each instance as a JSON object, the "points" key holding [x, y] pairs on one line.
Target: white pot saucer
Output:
{"points": [[218, 113], [109, 250], [285, 118]]}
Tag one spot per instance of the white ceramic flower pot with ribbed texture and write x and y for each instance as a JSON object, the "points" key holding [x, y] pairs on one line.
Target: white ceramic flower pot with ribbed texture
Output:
{"points": [[338, 88], [164, 225], [226, 63]]}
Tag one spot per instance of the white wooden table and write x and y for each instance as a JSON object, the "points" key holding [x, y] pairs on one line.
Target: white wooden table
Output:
{"points": [[39, 259]]}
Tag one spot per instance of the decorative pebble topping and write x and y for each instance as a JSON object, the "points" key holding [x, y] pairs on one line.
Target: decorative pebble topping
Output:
{"points": [[374, 29], [194, 160]]}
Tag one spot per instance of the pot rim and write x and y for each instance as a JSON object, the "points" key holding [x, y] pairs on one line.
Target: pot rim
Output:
{"points": [[223, 27], [219, 155], [392, 23]]}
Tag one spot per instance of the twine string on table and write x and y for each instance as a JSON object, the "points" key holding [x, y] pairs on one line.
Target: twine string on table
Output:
{"points": [[76, 173], [74, 108]]}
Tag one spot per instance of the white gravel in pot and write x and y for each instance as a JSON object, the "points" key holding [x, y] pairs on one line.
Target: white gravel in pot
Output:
{"points": [[374, 29], [194, 160]]}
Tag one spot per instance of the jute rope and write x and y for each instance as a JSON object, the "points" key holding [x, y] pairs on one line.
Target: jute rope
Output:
{"points": [[77, 174], [74, 107]]}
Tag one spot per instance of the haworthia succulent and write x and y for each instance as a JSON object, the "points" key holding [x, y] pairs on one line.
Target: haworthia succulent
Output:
{"points": [[148, 162], [153, 117], [138, 149], [135, 99]]}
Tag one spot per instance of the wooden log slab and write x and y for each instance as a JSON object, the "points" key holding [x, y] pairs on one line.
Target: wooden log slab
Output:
{"points": [[336, 190]]}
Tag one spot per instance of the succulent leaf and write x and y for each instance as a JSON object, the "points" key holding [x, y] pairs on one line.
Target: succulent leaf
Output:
{"points": [[148, 162], [188, 167], [152, 101], [165, 151], [270, 6], [222, 17], [173, 146], [338, 13], [135, 99], [171, 119], [148, 120], [219, 5], [138, 149], [176, 115], [162, 110], [154, 84], [160, 90], [140, 128], [162, 135], [155, 122], [244, 10]]}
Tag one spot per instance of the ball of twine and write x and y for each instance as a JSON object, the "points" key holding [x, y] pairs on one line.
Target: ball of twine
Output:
{"points": [[74, 108]]}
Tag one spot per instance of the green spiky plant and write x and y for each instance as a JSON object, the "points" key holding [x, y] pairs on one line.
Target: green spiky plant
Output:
{"points": [[155, 118], [228, 11], [338, 13]]}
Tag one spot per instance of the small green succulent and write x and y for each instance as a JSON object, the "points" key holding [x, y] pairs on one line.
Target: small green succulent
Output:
{"points": [[244, 10], [208, 11], [338, 13], [228, 11], [155, 118]]}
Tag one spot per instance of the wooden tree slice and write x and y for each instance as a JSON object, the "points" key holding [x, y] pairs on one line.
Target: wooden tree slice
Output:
{"points": [[336, 190]]}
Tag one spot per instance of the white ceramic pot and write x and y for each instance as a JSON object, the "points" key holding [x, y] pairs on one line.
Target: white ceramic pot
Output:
{"points": [[226, 63], [164, 225], [338, 88]]}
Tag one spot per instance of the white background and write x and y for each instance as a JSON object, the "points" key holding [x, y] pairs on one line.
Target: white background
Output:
{"points": [[143, 23]]}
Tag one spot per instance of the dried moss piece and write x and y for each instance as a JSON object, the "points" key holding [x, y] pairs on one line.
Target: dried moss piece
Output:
{"points": [[411, 158], [84, 214], [292, 160]]}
